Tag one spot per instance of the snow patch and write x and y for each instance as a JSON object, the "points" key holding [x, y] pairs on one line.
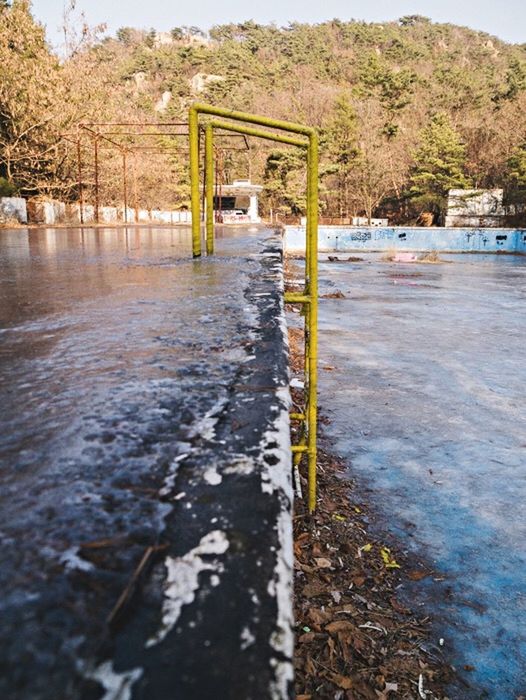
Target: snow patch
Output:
{"points": [[182, 580], [169, 482], [205, 428], [212, 476], [242, 466], [71, 560], [118, 686], [247, 638]]}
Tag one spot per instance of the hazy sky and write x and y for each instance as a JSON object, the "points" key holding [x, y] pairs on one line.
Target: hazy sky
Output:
{"points": [[503, 18]]}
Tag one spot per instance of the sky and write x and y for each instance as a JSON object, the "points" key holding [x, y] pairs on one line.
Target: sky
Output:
{"points": [[503, 18]]}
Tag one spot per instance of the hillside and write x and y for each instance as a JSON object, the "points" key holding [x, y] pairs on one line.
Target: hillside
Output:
{"points": [[405, 109]]}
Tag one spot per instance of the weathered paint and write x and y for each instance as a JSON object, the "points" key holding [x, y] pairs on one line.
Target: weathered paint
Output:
{"points": [[367, 238]]}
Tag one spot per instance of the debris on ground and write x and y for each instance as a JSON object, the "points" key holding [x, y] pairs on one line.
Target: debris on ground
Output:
{"points": [[431, 258], [333, 295], [355, 639], [351, 258], [400, 257]]}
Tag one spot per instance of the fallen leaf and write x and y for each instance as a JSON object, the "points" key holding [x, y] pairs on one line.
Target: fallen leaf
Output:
{"points": [[306, 638], [398, 606], [323, 563], [341, 681], [311, 590], [319, 617], [389, 561], [418, 575], [339, 626]]}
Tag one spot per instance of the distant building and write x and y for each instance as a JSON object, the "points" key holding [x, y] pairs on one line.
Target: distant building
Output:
{"points": [[238, 202], [364, 221], [484, 208]]}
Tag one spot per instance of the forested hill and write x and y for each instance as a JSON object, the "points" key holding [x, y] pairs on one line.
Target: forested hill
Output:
{"points": [[405, 109]]}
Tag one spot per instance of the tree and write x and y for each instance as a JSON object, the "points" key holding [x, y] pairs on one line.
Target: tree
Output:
{"points": [[30, 105], [341, 150], [516, 168], [438, 164], [285, 181], [411, 20], [372, 180]]}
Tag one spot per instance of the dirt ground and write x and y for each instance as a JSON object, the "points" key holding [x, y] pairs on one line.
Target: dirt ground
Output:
{"points": [[354, 639]]}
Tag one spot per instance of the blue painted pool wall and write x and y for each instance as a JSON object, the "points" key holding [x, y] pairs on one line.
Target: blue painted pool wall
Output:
{"points": [[367, 238]]}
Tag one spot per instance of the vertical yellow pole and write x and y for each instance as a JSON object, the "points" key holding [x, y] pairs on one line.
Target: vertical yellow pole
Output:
{"points": [[209, 187], [193, 129], [306, 321], [312, 234]]}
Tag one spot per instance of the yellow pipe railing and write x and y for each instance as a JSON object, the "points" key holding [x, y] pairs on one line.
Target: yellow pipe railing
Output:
{"points": [[309, 297]]}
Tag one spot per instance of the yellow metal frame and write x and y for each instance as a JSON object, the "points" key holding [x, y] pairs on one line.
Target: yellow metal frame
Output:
{"points": [[309, 296]]}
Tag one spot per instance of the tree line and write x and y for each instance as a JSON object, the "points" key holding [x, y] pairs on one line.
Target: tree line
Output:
{"points": [[406, 110]]}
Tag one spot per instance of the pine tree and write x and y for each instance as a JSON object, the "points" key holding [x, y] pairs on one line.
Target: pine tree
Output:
{"points": [[516, 175], [341, 149], [438, 164]]}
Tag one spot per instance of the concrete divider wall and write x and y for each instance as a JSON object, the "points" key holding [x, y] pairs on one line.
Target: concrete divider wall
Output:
{"points": [[46, 212], [52, 212], [365, 238], [13, 209]]}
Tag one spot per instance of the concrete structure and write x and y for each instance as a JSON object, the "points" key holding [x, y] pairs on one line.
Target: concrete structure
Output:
{"points": [[364, 221], [13, 209], [46, 211], [52, 212], [73, 214], [343, 239], [159, 474], [108, 215], [480, 209], [239, 202]]}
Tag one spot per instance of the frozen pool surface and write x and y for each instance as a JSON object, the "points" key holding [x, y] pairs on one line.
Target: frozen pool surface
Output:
{"points": [[427, 402]]}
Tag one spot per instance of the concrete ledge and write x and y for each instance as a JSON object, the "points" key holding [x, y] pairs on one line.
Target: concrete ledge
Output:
{"points": [[224, 629], [372, 239]]}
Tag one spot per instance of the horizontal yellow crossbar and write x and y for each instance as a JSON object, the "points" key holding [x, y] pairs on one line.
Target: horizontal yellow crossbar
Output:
{"points": [[294, 298], [259, 133]]}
